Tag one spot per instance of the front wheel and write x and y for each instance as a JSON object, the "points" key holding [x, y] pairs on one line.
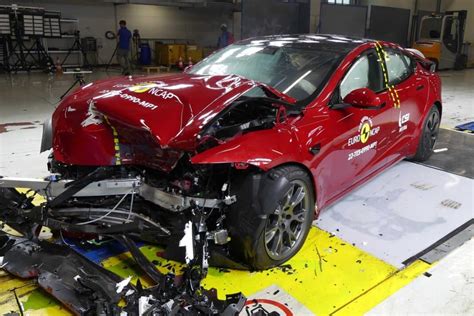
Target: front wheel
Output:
{"points": [[429, 135], [278, 236]]}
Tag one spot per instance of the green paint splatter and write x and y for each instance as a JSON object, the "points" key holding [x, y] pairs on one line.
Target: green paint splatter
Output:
{"points": [[38, 299]]}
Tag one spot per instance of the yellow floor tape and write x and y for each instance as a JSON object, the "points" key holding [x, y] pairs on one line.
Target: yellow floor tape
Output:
{"points": [[328, 276]]}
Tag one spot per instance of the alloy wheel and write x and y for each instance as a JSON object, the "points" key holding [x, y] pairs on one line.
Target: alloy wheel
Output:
{"points": [[284, 229]]}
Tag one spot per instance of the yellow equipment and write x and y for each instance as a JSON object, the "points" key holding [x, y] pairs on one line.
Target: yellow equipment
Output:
{"points": [[194, 52], [440, 39], [169, 54]]}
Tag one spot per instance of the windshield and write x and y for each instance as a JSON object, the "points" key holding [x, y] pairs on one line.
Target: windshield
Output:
{"points": [[298, 72]]}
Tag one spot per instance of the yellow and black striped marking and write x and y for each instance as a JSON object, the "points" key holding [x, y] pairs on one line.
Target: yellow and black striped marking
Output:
{"points": [[382, 58], [118, 159]]}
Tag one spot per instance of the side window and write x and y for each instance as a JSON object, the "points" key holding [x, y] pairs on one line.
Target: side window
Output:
{"points": [[398, 67], [364, 73]]}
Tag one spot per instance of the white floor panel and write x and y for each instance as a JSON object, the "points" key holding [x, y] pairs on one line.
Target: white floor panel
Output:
{"points": [[448, 291], [402, 211]]}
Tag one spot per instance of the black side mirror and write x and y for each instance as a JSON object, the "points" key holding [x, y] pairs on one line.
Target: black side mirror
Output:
{"points": [[340, 106]]}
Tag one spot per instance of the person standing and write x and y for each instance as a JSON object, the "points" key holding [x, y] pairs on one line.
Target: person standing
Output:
{"points": [[123, 49], [226, 37]]}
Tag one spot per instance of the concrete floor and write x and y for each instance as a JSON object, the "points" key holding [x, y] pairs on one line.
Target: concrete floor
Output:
{"points": [[27, 100]]}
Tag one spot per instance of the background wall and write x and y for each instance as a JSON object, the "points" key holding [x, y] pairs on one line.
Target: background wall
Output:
{"points": [[94, 20], [201, 25], [450, 5], [425, 5]]}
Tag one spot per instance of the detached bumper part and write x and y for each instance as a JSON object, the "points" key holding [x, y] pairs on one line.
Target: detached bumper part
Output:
{"points": [[76, 282], [88, 289], [47, 138]]}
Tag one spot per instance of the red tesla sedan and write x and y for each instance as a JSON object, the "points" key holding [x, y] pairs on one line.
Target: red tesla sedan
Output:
{"points": [[261, 136]]}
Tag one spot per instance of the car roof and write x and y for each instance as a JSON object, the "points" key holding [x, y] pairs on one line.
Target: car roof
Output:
{"points": [[324, 42]]}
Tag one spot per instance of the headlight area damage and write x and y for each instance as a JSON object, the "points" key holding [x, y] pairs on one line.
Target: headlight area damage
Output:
{"points": [[120, 177]]}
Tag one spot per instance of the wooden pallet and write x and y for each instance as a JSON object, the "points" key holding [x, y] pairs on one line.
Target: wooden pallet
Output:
{"points": [[156, 69]]}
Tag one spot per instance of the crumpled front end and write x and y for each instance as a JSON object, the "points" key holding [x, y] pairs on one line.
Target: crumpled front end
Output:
{"points": [[149, 123]]}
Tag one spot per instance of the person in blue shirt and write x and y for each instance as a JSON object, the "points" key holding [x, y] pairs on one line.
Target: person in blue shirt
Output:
{"points": [[226, 37], [123, 49]]}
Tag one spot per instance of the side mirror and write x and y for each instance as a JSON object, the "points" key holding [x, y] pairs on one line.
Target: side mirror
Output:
{"points": [[363, 98]]}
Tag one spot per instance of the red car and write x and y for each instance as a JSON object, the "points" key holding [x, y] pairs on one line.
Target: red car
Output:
{"points": [[262, 136]]}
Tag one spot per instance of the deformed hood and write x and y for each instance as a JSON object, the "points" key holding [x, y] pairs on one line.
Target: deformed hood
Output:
{"points": [[143, 120], [174, 108]]}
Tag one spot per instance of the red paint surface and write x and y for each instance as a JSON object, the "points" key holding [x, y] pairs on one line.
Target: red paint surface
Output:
{"points": [[156, 132]]}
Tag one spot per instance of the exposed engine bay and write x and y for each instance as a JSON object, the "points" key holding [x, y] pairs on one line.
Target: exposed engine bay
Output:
{"points": [[188, 207]]}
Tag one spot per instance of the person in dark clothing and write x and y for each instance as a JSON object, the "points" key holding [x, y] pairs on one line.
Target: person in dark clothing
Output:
{"points": [[123, 49], [226, 37]]}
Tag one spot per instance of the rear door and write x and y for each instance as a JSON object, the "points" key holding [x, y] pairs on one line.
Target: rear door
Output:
{"points": [[411, 94]]}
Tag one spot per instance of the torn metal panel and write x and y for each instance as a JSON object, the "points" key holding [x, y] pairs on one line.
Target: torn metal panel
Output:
{"points": [[79, 284]]}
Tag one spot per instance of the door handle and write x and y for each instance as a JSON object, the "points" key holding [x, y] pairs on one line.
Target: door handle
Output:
{"points": [[421, 87], [315, 149]]}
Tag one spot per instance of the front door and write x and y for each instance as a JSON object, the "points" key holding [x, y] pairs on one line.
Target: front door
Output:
{"points": [[359, 137]]}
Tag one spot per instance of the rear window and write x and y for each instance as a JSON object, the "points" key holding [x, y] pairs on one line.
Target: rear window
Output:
{"points": [[399, 67]]}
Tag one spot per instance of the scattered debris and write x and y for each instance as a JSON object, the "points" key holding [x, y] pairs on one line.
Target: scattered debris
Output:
{"points": [[440, 150], [86, 287]]}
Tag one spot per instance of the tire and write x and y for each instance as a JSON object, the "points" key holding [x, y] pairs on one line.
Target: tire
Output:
{"points": [[265, 241], [428, 135]]}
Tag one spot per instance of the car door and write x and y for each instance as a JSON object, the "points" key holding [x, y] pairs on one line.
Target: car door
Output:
{"points": [[359, 137], [411, 93]]}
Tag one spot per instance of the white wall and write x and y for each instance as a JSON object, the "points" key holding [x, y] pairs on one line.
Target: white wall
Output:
{"points": [[201, 25]]}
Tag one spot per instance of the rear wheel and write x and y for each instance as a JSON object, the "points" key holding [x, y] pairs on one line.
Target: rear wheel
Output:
{"points": [[276, 237], [429, 135]]}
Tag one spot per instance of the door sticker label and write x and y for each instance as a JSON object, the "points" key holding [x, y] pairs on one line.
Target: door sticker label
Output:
{"points": [[361, 151], [402, 120]]}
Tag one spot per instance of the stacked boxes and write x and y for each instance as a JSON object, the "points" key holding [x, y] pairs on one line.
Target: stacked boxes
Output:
{"points": [[169, 54]]}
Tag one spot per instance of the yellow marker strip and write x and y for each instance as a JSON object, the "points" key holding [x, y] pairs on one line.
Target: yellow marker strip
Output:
{"points": [[377, 294], [383, 56], [118, 159]]}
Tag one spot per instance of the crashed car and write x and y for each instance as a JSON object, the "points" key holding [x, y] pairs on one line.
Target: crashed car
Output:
{"points": [[260, 137]]}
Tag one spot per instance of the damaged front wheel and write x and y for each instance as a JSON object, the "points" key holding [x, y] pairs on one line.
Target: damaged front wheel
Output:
{"points": [[270, 240]]}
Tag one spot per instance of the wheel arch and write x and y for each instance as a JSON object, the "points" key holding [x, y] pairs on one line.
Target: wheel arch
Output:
{"points": [[310, 175], [440, 108]]}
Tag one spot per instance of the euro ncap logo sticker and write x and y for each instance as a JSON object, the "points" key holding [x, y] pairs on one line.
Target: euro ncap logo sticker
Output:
{"points": [[143, 87], [366, 130]]}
